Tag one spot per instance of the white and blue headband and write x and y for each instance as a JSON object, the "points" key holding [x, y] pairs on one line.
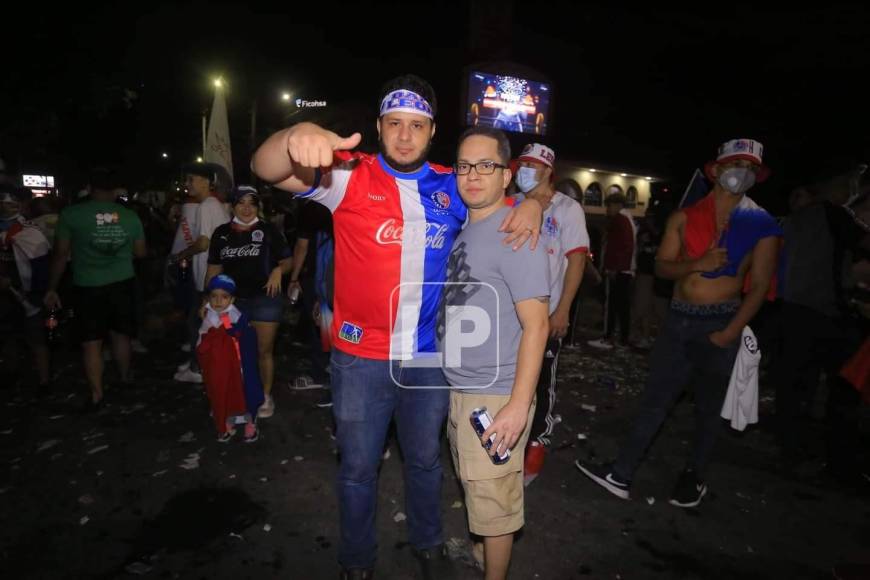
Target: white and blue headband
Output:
{"points": [[404, 101]]}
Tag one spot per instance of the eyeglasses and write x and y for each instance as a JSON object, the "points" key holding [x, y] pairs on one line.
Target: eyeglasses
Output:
{"points": [[481, 167]]}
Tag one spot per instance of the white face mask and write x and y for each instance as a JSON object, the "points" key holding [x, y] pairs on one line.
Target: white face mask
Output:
{"points": [[737, 180], [526, 179]]}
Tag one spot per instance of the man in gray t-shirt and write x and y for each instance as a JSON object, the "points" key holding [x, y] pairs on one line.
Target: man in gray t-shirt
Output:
{"points": [[494, 328], [481, 329]]}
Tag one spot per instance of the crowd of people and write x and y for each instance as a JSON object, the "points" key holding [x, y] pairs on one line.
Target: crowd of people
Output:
{"points": [[435, 295]]}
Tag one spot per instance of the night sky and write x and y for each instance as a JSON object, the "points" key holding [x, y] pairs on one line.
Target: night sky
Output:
{"points": [[649, 89]]}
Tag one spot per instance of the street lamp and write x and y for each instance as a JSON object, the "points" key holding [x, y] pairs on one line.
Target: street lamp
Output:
{"points": [[165, 155], [218, 83], [199, 159], [285, 97]]}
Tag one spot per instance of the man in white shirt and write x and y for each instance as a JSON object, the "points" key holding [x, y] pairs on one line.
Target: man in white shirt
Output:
{"points": [[566, 241], [200, 180], [179, 275]]}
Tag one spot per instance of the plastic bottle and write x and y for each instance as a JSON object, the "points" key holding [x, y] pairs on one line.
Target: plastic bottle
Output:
{"points": [[183, 269], [294, 295], [51, 322]]}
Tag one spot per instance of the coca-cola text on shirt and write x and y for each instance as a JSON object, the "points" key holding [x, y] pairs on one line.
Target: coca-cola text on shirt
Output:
{"points": [[241, 252], [431, 235]]}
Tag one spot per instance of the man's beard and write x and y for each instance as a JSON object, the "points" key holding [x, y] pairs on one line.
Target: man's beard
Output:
{"points": [[404, 167]]}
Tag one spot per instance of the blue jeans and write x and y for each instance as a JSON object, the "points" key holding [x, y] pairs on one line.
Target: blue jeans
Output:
{"points": [[262, 308], [365, 399], [683, 352]]}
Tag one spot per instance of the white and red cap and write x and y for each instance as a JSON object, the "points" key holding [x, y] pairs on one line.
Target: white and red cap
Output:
{"points": [[539, 153], [748, 149]]}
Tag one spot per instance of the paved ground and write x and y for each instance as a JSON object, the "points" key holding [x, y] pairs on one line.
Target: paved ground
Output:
{"points": [[143, 488]]}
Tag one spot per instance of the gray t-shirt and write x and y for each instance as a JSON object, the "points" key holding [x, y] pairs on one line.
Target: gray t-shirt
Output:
{"points": [[479, 329]]}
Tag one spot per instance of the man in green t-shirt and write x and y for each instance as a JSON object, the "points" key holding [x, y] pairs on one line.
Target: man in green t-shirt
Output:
{"points": [[102, 238]]}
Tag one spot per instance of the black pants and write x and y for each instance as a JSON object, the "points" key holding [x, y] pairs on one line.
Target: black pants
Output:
{"points": [[544, 420], [813, 342], [682, 352], [619, 306]]}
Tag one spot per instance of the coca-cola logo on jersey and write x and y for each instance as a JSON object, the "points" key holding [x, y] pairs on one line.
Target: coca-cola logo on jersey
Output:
{"points": [[241, 252], [431, 235]]}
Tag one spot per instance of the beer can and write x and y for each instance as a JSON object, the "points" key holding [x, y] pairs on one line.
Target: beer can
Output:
{"points": [[480, 422]]}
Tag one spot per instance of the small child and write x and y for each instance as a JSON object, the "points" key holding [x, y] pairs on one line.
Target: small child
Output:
{"points": [[227, 353]]}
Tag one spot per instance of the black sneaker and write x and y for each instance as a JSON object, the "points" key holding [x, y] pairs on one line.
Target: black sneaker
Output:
{"points": [[357, 574], [226, 436], [325, 399], [689, 490], [603, 475], [434, 563]]}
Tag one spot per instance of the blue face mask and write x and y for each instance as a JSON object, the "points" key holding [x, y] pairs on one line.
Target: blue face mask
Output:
{"points": [[526, 179], [737, 180]]}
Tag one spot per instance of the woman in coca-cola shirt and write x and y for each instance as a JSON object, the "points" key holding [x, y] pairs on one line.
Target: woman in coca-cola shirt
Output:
{"points": [[255, 254]]}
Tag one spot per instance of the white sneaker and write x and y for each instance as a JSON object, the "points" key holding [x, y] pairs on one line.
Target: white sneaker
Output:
{"points": [[188, 376], [267, 409], [601, 343], [137, 346], [185, 347], [183, 366], [305, 383]]}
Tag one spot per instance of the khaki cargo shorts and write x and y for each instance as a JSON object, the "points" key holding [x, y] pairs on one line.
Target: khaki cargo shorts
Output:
{"points": [[493, 493]]}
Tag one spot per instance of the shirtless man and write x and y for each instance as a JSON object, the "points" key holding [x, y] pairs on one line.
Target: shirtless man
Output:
{"points": [[709, 250]]}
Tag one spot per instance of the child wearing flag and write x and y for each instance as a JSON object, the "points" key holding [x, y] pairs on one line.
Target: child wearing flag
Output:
{"points": [[227, 353]]}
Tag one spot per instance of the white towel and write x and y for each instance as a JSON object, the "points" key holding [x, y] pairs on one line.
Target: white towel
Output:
{"points": [[741, 401]]}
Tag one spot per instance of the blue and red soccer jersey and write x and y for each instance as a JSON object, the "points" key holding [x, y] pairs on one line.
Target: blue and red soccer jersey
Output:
{"points": [[393, 236]]}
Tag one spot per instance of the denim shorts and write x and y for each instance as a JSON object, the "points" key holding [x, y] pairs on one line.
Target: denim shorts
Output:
{"points": [[262, 308]]}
